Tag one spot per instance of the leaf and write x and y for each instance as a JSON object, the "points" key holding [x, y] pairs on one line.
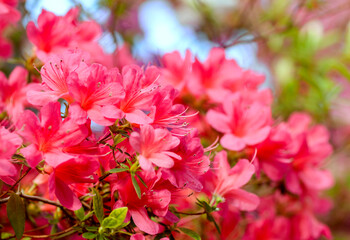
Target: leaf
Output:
{"points": [[191, 233], [16, 214], [98, 205], [123, 225], [89, 235], [211, 219], [141, 180], [88, 215], [117, 170], [136, 186], [119, 214], [110, 222], [92, 228], [80, 213]]}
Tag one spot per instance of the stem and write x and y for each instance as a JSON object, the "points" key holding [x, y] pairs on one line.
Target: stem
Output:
{"points": [[191, 214], [49, 236]]}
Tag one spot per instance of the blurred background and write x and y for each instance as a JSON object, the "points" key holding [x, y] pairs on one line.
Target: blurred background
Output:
{"points": [[301, 46]]}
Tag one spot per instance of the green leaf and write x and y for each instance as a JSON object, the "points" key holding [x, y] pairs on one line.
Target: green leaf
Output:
{"points": [[117, 170], [211, 219], [119, 214], [98, 205], [136, 186], [123, 225], [191, 233], [88, 215], [80, 213], [110, 222], [89, 235], [92, 228], [16, 214], [141, 180], [124, 165]]}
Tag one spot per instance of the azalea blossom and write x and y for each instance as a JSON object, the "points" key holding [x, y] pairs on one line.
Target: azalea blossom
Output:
{"points": [[154, 147], [243, 124]]}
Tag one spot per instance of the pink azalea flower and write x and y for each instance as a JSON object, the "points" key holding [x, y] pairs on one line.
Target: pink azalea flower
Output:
{"points": [[275, 153], [153, 145], [95, 92], [140, 87], [8, 15], [313, 148], [168, 115], [193, 163], [57, 33], [176, 70], [286, 217], [225, 182], [154, 197], [10, 142], [243, 124], [13, 92], [91, 90], [49, 135], [74, 170], [54, 76], [217, 77]]}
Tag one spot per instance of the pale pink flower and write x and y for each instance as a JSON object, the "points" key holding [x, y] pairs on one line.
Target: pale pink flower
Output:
{"points": [[154, 147], [10, 142], [226, 182], [243, 124]]}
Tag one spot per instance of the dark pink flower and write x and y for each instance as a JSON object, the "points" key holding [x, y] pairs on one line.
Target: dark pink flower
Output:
{"points": [[154, 197], [74, 170], [193, 163], [49, 135]]}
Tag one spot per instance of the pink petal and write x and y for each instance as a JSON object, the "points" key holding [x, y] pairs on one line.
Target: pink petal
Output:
{"points": [[64, 194], [241, 173], [311, 176], [242, 199], [232, 142], [219, 121], [32, 155], [257, 136], [77, 114], [143, 222]]}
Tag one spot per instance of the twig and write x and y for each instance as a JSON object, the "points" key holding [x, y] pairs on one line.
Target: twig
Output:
{"points": [[50, 235], [190, 214]]}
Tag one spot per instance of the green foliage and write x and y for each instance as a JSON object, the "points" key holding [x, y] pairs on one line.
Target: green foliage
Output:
{"points": [[98, 205], [191, 233], [136, 186], [16, 214]]}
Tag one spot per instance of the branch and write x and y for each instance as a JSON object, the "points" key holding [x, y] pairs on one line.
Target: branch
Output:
{"points": [[190, 214], [49, 236]]}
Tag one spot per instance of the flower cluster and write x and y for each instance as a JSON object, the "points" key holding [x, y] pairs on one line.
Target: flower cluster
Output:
{"points": [[118, 151]]}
